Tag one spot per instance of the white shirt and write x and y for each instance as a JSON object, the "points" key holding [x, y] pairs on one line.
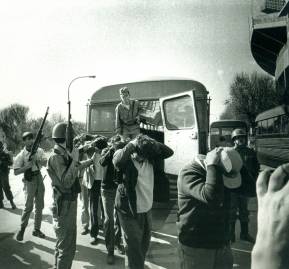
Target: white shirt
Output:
{"points": [[22, 159], [145, 186]]}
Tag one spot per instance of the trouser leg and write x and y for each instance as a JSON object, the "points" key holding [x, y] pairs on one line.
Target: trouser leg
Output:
{"points": [[29, 192], [6, 186], [39, 202], [134, 232], [243, 209], [84, 207], [108, 198], [117, 229], [65, 230], [94, 194]]}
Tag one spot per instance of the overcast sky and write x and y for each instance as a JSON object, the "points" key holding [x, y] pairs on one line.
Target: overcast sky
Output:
{"points": [[45, 44]]}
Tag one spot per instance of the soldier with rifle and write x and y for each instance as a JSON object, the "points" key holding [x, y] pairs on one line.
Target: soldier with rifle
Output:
{"points": [[29, 162]]}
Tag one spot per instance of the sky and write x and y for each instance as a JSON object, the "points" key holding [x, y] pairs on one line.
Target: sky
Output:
{"points": [[46, 44]]}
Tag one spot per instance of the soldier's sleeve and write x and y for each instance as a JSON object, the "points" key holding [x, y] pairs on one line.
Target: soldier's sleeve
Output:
{"points": [[65, 175], [19, 161]]}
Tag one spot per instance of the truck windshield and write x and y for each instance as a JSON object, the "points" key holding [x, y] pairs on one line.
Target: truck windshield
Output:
{"points": [[102, 118], [179, 113]]}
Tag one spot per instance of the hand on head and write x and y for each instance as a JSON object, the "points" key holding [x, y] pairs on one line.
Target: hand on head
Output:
{"points": [[213, 156]]}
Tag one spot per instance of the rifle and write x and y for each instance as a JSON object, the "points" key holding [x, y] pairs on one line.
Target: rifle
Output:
{"points": [[36, 143], [69, 131]]}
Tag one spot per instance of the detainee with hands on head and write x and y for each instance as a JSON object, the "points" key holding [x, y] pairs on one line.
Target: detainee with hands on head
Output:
{"points": [[204, 188]]}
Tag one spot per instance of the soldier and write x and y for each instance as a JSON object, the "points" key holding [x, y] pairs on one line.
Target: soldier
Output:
{"points": [[33, 186], [240, 202], [5, 162], [127, 115], [63, 168]]}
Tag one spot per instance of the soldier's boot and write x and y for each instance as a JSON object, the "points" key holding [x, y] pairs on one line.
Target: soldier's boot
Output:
{"points": [[20, 234], [38, 233], [232, 232], [13, 206], [244, 235], [1, 204]]}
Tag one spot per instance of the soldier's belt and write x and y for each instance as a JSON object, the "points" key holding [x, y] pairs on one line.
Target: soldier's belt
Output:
{"points": [[69, 196], [35, 173]]}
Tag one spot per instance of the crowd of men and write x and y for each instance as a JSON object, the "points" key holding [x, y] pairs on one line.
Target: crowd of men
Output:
{"points": [[116, 176]]}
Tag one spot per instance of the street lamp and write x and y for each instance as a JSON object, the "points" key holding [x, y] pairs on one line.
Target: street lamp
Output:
{"points": [[73, 81], [69, 130]]}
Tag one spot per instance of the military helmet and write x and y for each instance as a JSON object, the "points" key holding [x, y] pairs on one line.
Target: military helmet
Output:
{"points": [[27, 134], [238, 132], [59, 130]]}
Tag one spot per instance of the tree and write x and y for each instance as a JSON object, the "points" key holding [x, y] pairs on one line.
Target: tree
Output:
{"points": [[249, 95], [13, 120]]}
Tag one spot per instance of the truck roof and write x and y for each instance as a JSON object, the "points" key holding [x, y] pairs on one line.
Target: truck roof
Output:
{"points": [[148, 89]]}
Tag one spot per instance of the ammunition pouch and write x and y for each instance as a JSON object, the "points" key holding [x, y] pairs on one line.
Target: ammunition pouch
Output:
{"points": [[59, 197], [29, 174]]}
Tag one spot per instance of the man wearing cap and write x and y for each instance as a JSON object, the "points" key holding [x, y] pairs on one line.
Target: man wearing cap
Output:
{"points": [[204, 188], [33, 186], [127, 118], [5, 162], [239, 203]]}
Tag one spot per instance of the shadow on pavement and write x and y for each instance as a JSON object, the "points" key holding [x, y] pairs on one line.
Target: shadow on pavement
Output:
{"points": [[19, 255], [45, 217], [94, 257]]}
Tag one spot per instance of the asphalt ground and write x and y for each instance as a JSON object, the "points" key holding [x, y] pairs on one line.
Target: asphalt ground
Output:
{"points": [[36, 253]]}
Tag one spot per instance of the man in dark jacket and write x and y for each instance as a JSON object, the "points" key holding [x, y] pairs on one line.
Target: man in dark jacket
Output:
{"points": [[204, 188], [112, 231], [134, 196]]}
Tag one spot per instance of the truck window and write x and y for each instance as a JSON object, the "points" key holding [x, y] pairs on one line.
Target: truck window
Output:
{"points": [[102, 118], [179, 113]]}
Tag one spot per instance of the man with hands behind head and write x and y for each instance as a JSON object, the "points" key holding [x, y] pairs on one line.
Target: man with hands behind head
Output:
{"points": [[134, 197]]}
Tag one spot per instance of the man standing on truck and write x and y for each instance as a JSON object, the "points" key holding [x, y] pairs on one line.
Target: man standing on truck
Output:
{"points": [[127, 118], [239, 203]]}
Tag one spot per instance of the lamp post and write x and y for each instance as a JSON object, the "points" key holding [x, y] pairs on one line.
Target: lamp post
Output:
{"points": [[72, 82], [68, 100], [69, 130]]}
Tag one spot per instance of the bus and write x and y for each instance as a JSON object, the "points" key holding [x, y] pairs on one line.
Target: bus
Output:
{"points": [[272, 137], [221, 130], [173, 111]]}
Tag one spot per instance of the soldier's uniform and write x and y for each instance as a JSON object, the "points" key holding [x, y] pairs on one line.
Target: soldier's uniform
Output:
{"points": [[5, 162], [63, 171], [34, 191], [239, 203]]}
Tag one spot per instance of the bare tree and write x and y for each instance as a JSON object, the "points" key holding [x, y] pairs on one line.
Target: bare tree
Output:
{"points": [[249, 95]]}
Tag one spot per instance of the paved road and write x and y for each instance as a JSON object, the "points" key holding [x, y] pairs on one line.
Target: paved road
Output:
{"points": [[36, 253]]}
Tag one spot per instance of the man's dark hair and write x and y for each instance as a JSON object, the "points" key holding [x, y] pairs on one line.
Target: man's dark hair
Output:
{"points": [[145, 146]]}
